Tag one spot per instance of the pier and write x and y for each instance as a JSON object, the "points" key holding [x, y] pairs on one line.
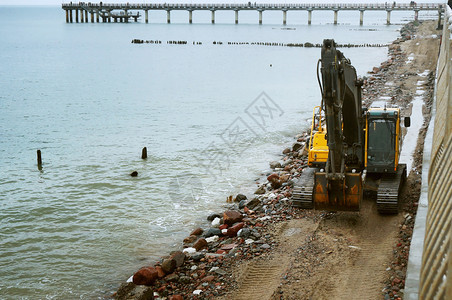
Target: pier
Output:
{"points": [[82, 12]]}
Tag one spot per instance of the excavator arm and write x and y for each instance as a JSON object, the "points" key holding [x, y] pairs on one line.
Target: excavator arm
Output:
{"points": [[339, 185]]}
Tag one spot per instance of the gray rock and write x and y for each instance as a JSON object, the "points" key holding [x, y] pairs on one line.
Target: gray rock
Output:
{"points": [[265, 246], [184, 279], [212, 217], [244, 233], [240, 197], [242, 204], [296, 146], [130, 290], [275, 164], [197, 256], [220, 272], [253, 203], [260, 190], [212, 232]]}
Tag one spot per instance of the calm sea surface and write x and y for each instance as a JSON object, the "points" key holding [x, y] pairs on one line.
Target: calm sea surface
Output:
{"points": [[211, 117]]}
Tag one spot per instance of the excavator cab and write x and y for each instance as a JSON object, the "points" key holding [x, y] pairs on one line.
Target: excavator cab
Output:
{"points": [[383, 140]]}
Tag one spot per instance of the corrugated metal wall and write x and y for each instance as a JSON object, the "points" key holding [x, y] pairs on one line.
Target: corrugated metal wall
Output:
{"points": [[436, 271]]}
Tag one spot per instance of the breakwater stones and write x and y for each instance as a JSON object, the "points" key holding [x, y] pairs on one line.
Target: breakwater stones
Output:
{"points": [[271, 44], [202, 266]]}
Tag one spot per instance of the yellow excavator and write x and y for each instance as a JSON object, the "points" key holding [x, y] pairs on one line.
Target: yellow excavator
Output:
{"points": [[349, 144]]}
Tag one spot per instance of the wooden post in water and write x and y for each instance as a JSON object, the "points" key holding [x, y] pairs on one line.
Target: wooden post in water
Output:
{"points": [[335, 16], [284, 17], [168, 16], [236, 17], [361, 16], [144, 153], [388, 17], [146, 18], [39, 159], [213, 16], [309, 16], [190, 16], [260, 17], [67, 16]]}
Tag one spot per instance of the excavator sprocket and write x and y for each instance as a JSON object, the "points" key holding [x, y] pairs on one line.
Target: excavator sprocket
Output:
{"points": [[389, 190], [302, 195]]}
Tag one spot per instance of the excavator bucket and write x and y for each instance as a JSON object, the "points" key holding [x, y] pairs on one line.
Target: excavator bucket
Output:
{"points": [[338, 195]]}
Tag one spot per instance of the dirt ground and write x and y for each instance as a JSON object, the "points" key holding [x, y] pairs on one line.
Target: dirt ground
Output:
{"points": [[351, 255]]}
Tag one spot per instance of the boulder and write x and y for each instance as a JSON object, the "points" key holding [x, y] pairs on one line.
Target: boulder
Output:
{"points": [[130, 290], [175, 297], [253, 203], [242, 204], [160, 272], [232, 216], [197, 231], [286, 151], [145, 276], [260, 190], [239, 198], [296, 147], [200, 244], [275, 164], [190, 239], [179, 257], [211, 217], [212, 232], [232, 231], [169, 265]]}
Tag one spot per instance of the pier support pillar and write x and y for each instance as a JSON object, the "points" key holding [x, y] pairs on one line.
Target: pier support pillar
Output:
{"points": [[361, 17], [439, 17], [86, 16], [67, 16], [109, 17], [190, 16], [388, 17], [82, 19], [146, 16], [236, 17], [335, 16], [97, 16], [70, 15], [92, 16], [260, 17], [126, 14], [416, 15], [168, 16], [309, 17], [284, 18], [76, 15], [213, 16]]}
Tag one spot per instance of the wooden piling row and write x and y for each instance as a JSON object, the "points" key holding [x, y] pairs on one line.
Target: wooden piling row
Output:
{"points": [[272, 44]]}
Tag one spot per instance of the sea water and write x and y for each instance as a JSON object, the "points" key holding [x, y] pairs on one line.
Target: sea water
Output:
{"points": [[211, 116]]}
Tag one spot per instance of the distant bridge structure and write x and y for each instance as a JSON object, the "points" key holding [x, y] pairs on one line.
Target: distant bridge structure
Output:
{"points": [[128, 11]]}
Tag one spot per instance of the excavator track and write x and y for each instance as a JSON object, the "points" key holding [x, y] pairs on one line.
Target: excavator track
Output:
{"points": [[302, 192], [389, 191]]}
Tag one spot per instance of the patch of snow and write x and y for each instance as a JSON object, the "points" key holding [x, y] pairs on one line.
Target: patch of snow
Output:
{"points": [[384, 98], [424, 74], [410, 140], [420, 92], [389, 83], [420, 82], [410, 58]]}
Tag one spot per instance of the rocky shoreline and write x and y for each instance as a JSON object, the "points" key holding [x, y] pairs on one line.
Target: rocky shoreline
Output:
{"points": [[206, 267]]}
